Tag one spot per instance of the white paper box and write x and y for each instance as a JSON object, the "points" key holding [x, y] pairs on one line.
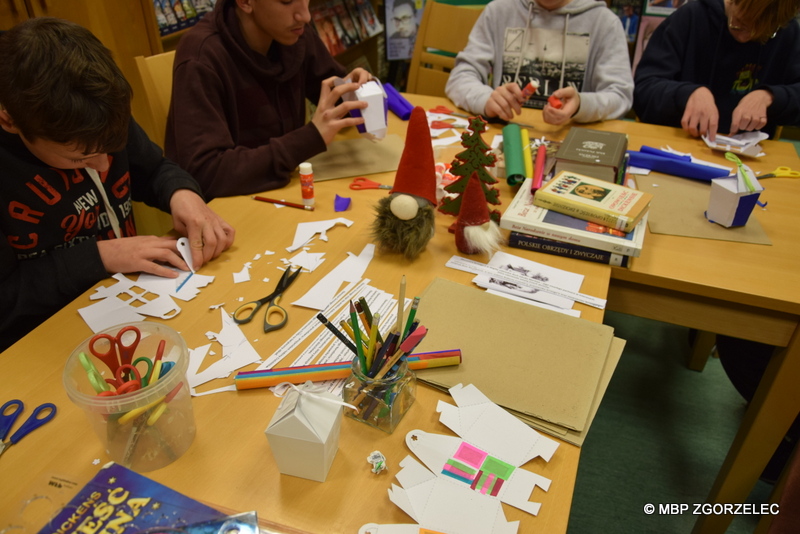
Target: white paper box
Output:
{"points": [[304, 432], [377, 110], [728, 205]]}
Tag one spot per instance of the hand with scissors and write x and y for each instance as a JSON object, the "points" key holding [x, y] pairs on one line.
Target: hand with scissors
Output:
{"points": [[245, 313], [780, 172], [8, 418], [118, 350], [362, 183]]}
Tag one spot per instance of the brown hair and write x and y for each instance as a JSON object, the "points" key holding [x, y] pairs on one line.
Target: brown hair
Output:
{"points": [[58, 82], [766, 16]]}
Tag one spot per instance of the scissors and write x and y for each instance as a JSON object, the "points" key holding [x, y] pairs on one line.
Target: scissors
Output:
{"points": [[123, 383], [246, 312], [117, 352], [363, 183], [33, 422], [95, 378], [781, 172]]}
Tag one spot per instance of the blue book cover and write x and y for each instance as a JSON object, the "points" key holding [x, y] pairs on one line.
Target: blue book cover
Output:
{"points": [[123, 501]]}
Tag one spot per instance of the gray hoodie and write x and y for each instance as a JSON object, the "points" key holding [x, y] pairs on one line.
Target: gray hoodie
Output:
{"points": [[595, 59]]}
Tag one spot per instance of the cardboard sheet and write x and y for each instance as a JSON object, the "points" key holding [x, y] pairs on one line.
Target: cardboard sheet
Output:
{"points": [[678, 208], [549, 367], [357, 157]]}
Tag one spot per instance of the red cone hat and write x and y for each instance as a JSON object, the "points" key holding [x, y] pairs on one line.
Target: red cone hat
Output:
{"points": [[416, 174], [474, 211]]}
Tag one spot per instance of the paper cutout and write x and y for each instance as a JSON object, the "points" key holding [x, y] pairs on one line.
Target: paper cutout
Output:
{"points": [[243, 275], [186, 252], [308, 261], [109, 312], [306, 231], [438, 504], [237, 352], [744, 143], [349, 270]]}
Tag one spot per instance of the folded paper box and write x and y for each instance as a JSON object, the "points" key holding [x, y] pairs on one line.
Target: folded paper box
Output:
{"points": [[732, 199], [304, 432]]}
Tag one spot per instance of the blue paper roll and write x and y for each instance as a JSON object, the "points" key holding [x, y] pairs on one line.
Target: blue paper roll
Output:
{"points": [[675, 166], [397, 103]]}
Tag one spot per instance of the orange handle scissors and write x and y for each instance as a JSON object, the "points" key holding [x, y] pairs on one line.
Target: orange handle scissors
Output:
{"points": [[363, 183]]}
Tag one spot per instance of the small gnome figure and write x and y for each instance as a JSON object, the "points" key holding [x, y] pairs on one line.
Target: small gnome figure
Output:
{"points": [[404, 220], [475, 231]]}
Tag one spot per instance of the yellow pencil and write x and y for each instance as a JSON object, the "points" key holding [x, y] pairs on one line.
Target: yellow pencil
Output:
{"points": [[373, 339]]}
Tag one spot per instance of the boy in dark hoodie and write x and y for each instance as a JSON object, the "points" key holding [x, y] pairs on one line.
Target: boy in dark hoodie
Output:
{"points": [[71, 161], [241, 79], [722, 66]]}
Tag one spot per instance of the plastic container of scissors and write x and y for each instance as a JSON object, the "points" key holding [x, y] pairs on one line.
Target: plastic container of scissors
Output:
{"points": [[130, 381]]}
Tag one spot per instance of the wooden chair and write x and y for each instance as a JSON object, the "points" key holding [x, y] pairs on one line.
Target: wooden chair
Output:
{"points": [[443, 32], [156, 74]]}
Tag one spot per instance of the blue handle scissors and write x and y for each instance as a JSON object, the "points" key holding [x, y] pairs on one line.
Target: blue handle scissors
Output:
{"points": [[36, 419], [245, 313]]}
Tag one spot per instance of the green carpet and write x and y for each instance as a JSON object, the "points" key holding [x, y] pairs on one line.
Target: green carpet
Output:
{"points": [[660, 436]]}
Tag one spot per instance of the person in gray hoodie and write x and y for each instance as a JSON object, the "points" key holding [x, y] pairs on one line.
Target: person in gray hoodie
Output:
{"points": [[573, 50]]}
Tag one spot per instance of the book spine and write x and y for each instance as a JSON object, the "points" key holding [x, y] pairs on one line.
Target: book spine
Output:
{"points": [[567, 250], [619, 246], [581, 211]]}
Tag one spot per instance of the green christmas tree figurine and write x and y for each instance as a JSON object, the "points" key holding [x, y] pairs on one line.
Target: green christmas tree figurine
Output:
{"points": [[474, 159]]}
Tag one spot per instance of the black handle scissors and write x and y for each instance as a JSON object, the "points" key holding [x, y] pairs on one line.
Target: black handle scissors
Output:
{"points": [[246, 312]]}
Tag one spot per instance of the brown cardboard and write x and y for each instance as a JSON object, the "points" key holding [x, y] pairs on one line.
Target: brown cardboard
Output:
{"points": [[678, 208], [357, 157], [541, 363]]}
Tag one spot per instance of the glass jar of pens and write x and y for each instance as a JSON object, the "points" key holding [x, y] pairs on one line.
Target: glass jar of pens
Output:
{"points": [[381, 402], [130, 381]]}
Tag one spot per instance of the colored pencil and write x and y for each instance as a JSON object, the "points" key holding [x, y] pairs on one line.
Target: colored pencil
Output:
{"points": [[283, 203]]}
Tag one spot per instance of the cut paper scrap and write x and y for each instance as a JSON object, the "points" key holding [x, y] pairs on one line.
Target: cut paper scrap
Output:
{"points": [[188, 282], [308, 261], [341, 203], [306, 231], [237, 352], [448, 507], [350, 270], [186, 252], [243, 275], [107, 313]]}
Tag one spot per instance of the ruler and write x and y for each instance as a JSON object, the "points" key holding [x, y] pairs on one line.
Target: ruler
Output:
{"points": [[475, 267]]}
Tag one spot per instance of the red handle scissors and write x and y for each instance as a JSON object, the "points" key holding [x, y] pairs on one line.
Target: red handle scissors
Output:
{"points": [[363, 183], [116, 350]]}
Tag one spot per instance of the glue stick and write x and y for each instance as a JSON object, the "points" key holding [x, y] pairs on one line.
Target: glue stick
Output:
{"points": [[307, 183]]}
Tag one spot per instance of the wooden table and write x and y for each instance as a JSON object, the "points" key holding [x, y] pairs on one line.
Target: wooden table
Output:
{"points": [[742, 290], [230, 464]]}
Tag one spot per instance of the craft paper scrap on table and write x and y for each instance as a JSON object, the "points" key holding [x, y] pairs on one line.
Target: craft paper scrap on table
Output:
{"points": [[467, 477], [306, 231]]}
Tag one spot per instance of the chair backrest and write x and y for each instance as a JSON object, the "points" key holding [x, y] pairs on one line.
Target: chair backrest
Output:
{"points": [[443, 33], [156, 74]]}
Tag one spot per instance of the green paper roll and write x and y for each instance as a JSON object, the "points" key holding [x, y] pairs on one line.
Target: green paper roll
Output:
{"points": [[512, 150]]}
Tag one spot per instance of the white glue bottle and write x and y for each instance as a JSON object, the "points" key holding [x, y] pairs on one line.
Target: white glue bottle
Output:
{"points": [[307, 183]]}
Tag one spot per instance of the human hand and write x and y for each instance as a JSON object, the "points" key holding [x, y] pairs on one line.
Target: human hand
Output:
{"points": [[701, 115], [571, 103], [751, 113], [330, 118], [209, 235], [146, 254], [504, 102], [359, 76]]}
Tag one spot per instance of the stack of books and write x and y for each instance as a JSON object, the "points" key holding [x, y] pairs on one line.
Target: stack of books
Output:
{"points": [[342, 24], [540, 229], [593, 153]]}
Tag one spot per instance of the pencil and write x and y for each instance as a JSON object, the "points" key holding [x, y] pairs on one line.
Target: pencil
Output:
{"points": [[357, 334], [411, 315], [368, 315], [336, 332], [373, 339], [283, 203], [401, 302]]}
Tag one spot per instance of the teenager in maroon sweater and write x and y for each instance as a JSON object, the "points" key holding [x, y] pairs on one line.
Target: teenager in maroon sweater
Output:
{"points": [[241, 79]]}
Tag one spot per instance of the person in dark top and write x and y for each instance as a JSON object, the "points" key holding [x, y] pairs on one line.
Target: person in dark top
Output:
{"points": [[71, 161], [241, 78], [722, 66]]}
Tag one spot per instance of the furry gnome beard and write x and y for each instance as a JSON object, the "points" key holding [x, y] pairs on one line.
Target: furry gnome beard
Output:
{"points": [[475, 231], [404, 220]]}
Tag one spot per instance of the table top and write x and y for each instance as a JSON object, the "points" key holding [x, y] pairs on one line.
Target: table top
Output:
{"points": [[230, 464]]}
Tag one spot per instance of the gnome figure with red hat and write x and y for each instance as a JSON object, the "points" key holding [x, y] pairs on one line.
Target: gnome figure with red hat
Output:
{"points": [[475, 231], [405, 219]]}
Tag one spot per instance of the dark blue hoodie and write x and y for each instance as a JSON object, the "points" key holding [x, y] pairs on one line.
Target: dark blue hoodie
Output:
{"points": [[693, 48]]}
